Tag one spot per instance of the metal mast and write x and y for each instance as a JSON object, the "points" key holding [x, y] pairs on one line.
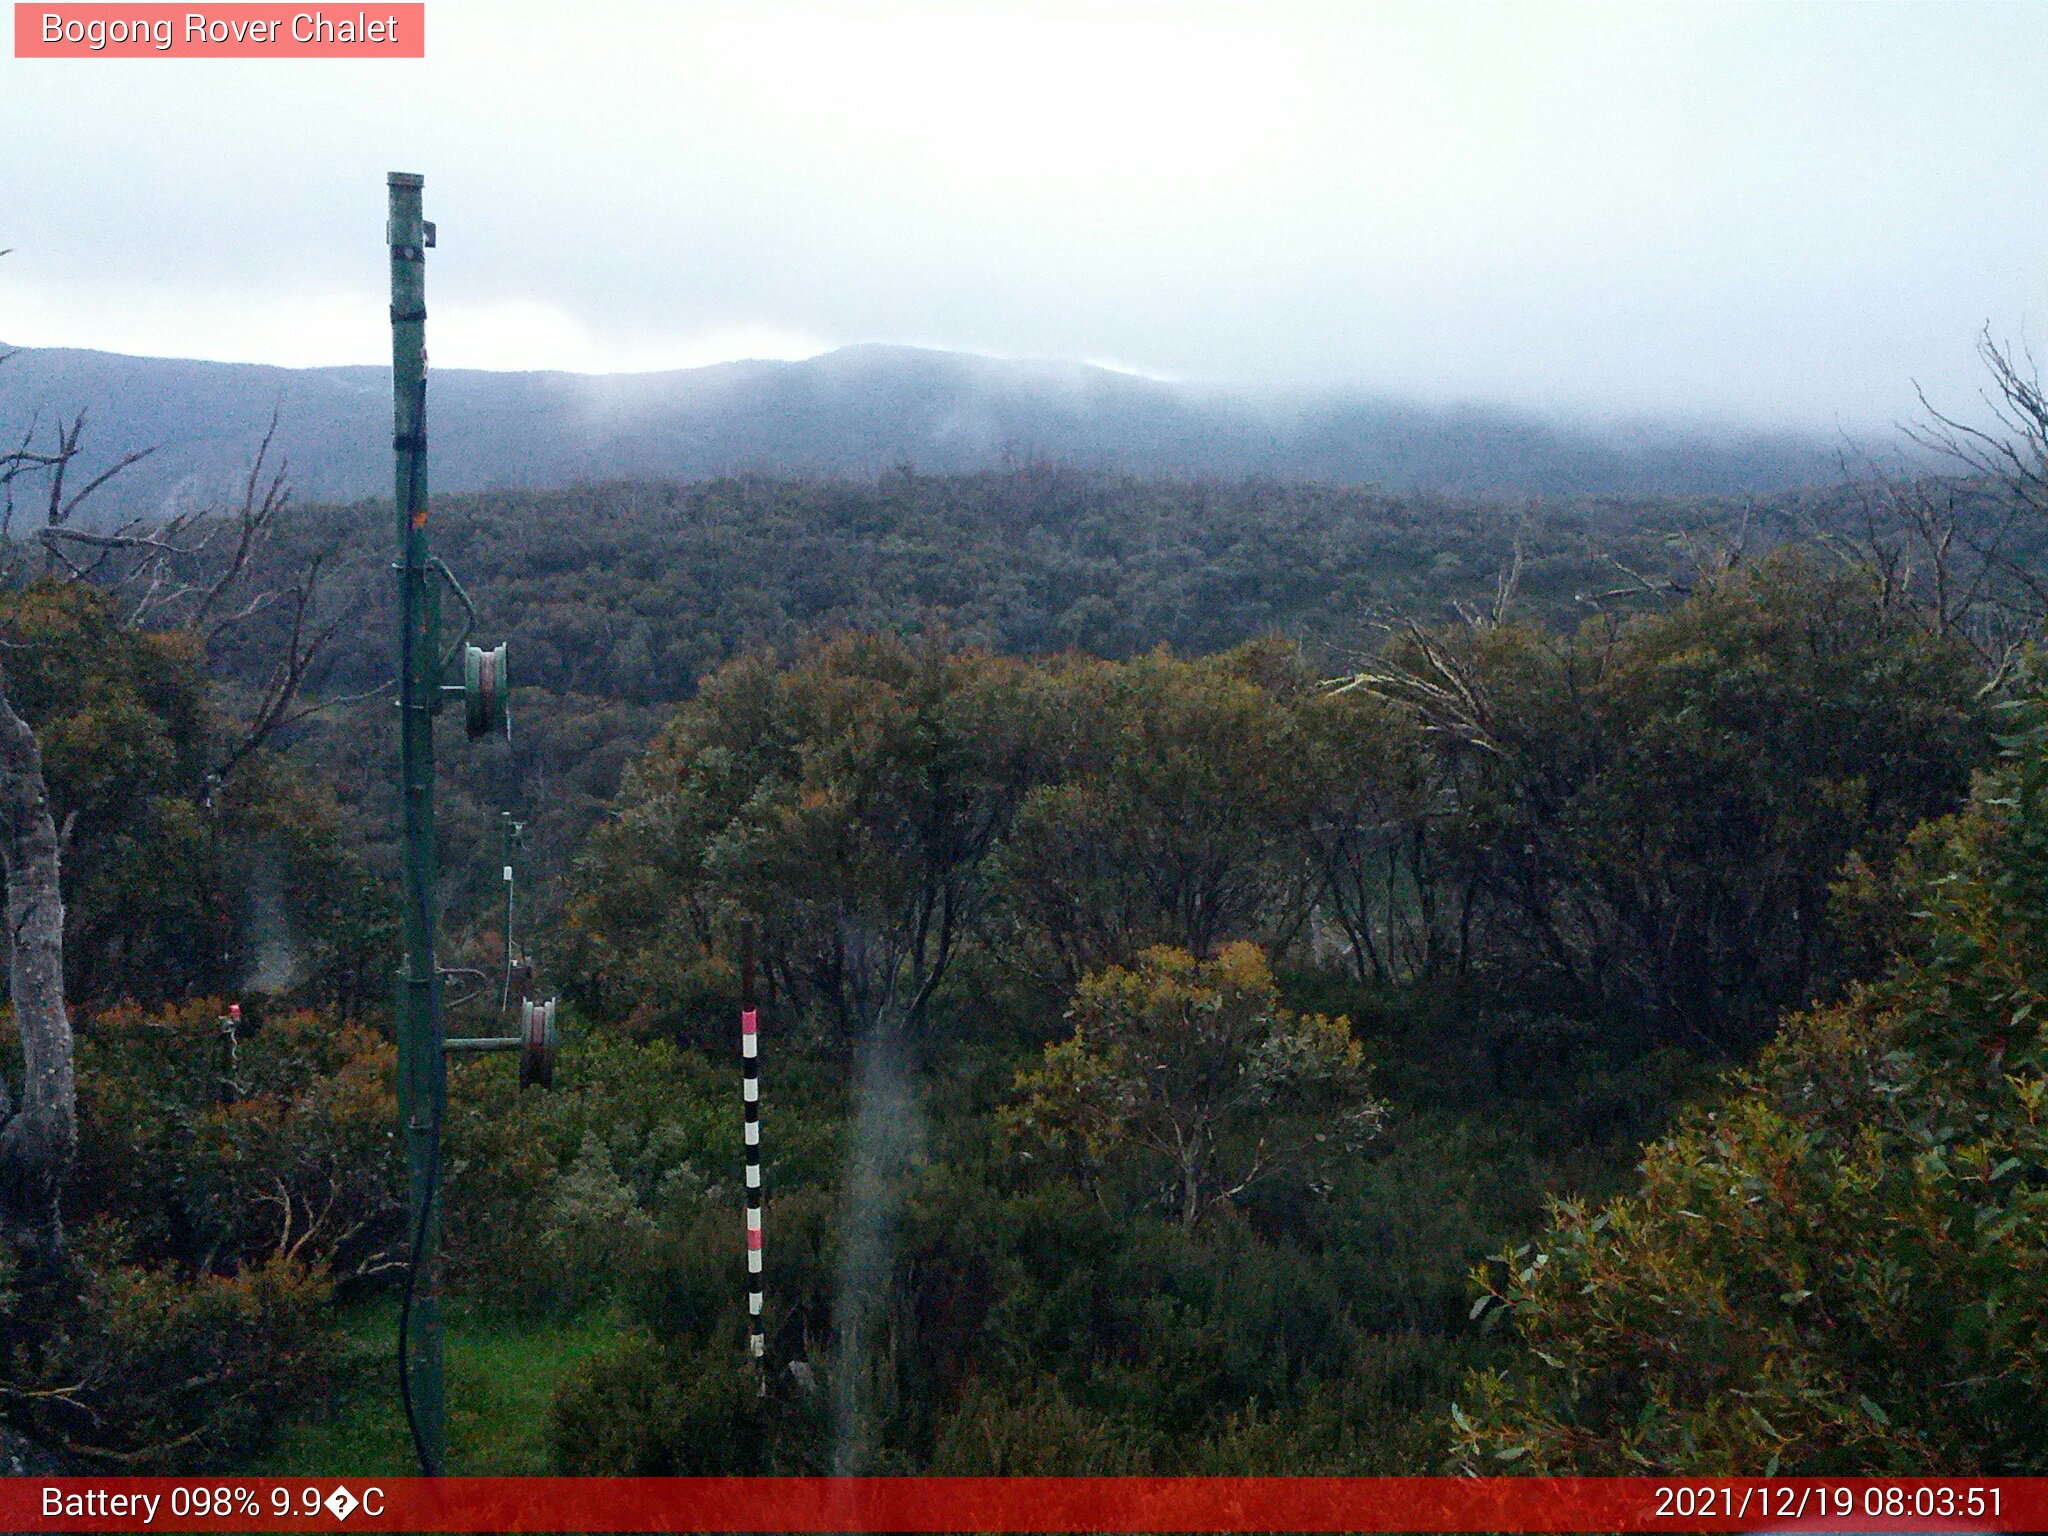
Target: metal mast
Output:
{"points": [[422, 1067]]}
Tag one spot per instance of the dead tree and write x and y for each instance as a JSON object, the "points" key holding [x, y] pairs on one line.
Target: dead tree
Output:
{"points": [[193, 572], [2010, 452], [2012, 449], [202, 574], [40, 1135], [1946, 554]]}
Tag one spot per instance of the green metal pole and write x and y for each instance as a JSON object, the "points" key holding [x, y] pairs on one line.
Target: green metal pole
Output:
{"points": [[422, 1068], [511, 830]]}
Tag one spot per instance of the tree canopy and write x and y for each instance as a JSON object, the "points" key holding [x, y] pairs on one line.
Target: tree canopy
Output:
{"points": [[1841, 1263]]}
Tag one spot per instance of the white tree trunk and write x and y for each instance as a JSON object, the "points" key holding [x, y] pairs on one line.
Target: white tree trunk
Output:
{"points": [[40, 1139]]}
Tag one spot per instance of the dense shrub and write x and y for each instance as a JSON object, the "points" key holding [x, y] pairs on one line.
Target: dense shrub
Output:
{"points": [[648, 1409], [1841, 1267], [220, 1151], [157, 1369], [116, 1359], [1655, 811], [553, 1200]]}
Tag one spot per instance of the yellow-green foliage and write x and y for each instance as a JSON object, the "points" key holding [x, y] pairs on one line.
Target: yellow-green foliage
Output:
{"points": [[1191, 1074]]}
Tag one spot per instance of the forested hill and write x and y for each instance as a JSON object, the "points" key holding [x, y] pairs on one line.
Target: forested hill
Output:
{"points": [[616, 598], [857, 411], [631, 590], [1464, 943]]}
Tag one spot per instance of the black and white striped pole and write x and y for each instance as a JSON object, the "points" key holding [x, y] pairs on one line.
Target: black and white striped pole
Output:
{"points": [[750, 1096]]}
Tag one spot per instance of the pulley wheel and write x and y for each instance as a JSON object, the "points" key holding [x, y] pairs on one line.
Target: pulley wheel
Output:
{"points": [[484, 685], [537, 1044]]}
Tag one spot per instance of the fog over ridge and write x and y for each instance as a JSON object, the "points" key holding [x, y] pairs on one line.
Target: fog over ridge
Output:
{"points": [[856, 411], [1773, 216]]}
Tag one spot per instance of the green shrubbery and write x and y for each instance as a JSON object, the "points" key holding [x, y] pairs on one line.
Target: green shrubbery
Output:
{"points": [[1015, 1333], [652, 1408], [221, 1151], [125, 1360], [1542, 878], [1842, 1265], [221, 1194], [1072, 973], [555, 1200]]}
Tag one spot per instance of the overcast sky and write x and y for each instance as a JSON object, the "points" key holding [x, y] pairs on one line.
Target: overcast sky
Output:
{"points": [[1771, 212]]}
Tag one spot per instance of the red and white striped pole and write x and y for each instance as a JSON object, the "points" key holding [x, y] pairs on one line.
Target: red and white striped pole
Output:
{"points": [[750, 1094]]}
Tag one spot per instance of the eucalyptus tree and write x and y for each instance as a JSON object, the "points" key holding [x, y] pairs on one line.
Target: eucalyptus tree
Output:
{"points": [[196, 581]]}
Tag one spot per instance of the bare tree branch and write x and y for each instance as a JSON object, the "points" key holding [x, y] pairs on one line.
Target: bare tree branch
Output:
{"points": [[2013, 450]]}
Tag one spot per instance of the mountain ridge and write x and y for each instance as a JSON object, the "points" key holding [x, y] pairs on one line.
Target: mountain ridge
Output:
{"points": [[855, 411]]}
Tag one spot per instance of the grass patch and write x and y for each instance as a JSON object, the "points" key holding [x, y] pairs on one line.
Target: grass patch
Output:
{"points": [[502, 1376]]}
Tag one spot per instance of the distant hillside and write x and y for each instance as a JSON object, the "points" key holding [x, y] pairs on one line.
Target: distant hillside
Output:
{"points": [[851, 412]]}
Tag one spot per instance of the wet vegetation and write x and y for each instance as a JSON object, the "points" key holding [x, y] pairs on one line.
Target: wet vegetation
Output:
{"points": [[1255, 978]]}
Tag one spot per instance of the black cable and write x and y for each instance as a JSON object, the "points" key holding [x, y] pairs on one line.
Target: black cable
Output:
{"points": [[412, 1272]]}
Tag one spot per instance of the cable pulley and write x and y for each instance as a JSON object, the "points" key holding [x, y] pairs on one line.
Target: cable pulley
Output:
{"points": [[537, 1044], [484, 687]]}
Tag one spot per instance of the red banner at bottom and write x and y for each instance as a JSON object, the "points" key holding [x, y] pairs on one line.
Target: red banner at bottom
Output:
{"points": [[1024, 1504]]}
